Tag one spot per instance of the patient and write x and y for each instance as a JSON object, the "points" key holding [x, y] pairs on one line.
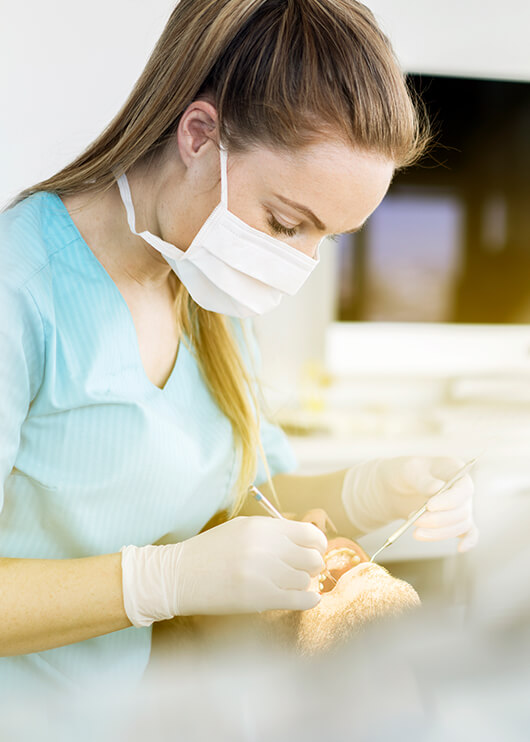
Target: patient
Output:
{"points": [[362, 592]]}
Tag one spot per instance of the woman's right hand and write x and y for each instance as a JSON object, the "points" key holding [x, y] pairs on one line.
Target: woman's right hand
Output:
{"points": [[246, 565]]}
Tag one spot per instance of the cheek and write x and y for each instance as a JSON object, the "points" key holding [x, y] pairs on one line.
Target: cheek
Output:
{"points": [[180, 222]]}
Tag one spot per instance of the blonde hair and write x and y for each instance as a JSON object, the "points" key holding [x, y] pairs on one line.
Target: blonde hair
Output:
{"points": [[281, 73]]}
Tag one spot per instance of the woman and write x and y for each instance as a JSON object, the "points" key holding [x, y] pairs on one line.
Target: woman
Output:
{"points": [[130, 411]]}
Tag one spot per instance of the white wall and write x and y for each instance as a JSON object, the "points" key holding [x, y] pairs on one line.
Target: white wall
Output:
{"points": [[67, 67], [475, 38]]}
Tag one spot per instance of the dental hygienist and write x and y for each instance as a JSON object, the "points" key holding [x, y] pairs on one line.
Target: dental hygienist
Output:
{"points": [[129, 402]]}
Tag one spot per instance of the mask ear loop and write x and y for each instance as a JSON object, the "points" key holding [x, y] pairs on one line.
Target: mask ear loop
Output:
{"points": [[224, 176], [125, 191]]}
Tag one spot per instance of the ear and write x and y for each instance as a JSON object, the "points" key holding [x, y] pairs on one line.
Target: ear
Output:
{"points": [[197, 129]]}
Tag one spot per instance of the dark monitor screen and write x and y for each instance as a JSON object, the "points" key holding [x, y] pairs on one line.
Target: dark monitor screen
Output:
{"points": [[451, 240]]}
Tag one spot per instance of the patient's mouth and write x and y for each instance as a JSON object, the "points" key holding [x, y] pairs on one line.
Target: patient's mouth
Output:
{"points": [[343, 555]]}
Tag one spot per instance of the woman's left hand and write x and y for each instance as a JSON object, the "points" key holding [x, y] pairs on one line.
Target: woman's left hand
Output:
{"points": [[378, 492]]}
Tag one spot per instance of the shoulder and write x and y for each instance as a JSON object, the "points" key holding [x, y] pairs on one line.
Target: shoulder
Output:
{"points": [[29, 236]]}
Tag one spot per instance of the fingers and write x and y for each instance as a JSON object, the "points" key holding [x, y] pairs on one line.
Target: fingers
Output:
{"points": [[319, 518], [444, 517], [438, 534], [330, 524], [299, 557], [436, 525], [469, 539], [420, 474], [454, 497], [430, 474], [277, 598], [288, 578], [296, 600], [445, 467], [305, 534]]}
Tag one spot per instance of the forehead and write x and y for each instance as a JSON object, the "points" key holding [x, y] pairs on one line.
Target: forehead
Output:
{"points": [[341, 185]]}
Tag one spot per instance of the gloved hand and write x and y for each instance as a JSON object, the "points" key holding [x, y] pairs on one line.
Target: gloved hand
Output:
{"points": [[246, 565], [377, 492]]}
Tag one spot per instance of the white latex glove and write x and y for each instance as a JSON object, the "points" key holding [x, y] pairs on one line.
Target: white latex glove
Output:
{"points": [[377, 492], [246, 565]]}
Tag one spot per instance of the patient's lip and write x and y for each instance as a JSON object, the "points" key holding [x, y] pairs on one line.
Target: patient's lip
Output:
{"points": [[340, 542], [342, 556]]}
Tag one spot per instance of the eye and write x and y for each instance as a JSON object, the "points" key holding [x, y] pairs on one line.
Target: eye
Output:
{"points": [[279, 228]]}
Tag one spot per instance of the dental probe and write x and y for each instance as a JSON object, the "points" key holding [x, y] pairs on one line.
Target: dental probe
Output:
{"points": [[269, 507], [461, 473]]}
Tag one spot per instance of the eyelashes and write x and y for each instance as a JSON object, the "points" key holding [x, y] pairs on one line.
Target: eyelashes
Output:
{"points": [[280, 229], [290, 231]]}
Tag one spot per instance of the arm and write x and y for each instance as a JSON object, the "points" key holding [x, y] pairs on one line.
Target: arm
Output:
{"points": [[298, 494], [47, 603], [44, 603]]}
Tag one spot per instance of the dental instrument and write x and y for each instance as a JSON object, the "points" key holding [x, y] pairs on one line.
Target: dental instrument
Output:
{"points": [[269, 507], [391, 539]]}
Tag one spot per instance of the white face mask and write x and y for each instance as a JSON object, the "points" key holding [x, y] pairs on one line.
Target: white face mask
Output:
{"points": [[231, 267]]}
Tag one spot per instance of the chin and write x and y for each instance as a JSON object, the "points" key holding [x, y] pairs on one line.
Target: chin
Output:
{"points": [[364, 592]]}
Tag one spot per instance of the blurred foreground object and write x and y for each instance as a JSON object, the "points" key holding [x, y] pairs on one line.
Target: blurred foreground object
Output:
{"points": [[422, 677]]}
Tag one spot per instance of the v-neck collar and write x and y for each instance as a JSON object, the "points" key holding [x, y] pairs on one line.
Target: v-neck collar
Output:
{"points": [[182, 349]]}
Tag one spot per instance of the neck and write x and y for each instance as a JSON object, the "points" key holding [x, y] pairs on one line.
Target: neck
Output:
{"points": [[102, 221]]}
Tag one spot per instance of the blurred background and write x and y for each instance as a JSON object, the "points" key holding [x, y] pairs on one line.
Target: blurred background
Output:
{"points": [[411, 337]]}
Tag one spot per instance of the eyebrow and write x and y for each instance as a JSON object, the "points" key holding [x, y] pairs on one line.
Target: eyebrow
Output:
{"points": [[316, 221]]}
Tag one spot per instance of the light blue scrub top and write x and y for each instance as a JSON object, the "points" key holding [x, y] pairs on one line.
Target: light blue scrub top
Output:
{"points": [[93, 455]]}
